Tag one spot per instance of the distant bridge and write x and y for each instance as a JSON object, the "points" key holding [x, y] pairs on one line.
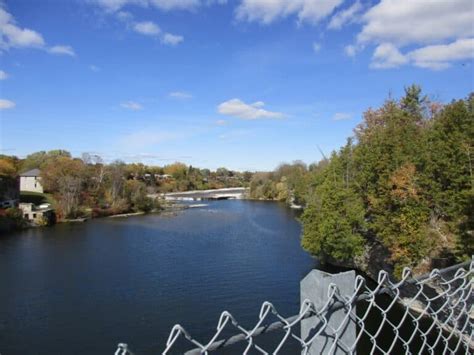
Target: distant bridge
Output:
{"points": [[197, 195]]}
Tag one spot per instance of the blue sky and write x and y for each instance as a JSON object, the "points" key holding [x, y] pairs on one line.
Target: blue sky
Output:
{"points": [[245, 84]]}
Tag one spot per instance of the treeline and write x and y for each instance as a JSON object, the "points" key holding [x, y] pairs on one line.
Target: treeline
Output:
{"points": [[87, 186], [289, 183], [403, 182]]}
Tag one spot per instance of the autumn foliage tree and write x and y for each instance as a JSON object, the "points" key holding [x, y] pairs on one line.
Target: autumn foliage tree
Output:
{"points": [[407, 178], [64, 177]]}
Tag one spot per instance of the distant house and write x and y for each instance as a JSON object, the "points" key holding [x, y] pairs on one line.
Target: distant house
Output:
{"points": [[31, 181], [163, 177], [37, 215]]}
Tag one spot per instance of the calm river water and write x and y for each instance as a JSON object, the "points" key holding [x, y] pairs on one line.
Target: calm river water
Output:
{"points": [[83, 288]]}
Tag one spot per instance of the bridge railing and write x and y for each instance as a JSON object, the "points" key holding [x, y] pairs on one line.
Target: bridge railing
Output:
{"points": [[345, 313]]}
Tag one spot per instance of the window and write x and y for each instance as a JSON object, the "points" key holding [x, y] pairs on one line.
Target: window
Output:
{"points": [[34, 215]]}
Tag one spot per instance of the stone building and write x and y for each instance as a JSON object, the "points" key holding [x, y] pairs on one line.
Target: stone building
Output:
{"points": [[31, 181]]}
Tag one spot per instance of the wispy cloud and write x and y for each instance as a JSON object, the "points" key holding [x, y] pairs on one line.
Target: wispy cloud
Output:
{"points": [[62, 50], [254, 111], [6, 104], [165, 5], [341, 116], [3, 75], [171, 39], [150, 158], [152, 137], [180, 95], [236, 135], [316, 47], [221, 122], [94, 68], [147, 138], [132, 105], [147, 28], [266, 12], [347, 16], [350, 50]]}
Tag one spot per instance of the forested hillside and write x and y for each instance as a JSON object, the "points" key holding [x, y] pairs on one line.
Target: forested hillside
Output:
{"points": [[402, 184], [89, 187]]}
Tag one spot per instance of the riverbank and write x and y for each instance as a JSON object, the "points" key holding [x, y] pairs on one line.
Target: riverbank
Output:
{"points": [[171, 205]]}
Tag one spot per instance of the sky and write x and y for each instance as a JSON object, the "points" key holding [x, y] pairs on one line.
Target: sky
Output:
{"points": [[245, 84]]}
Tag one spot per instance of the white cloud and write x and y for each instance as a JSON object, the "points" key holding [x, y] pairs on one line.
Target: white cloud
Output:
{"points": [[236, 135], [316, 47], [404, 22], [267, 11], [13, 36], [132, 105], [3, 75], [94, 68], [221, 122], [181, 95], [350, 50], [124, 16], [387, 55], [115, 5], [438, 33], [175, 4], [341, 116], [434, 57], [165, 5], [6, 104], [346, 16], [64, 50], [171, 39], [240, 109], [439, 56], [147, 28]]}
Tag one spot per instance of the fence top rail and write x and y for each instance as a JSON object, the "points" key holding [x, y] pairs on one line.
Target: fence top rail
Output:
{"points": [[452, 303]]}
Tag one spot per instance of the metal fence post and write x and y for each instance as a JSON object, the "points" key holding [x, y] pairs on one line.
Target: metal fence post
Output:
{"points": [[314, 287]]}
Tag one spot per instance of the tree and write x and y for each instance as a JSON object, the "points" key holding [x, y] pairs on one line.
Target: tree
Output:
{"points": [[7, 168], [116, 178], [38, 159], [135, 192], [64, 177], [413, 103], [409, 176], [177, 170], [222, 172], [333, 221]]}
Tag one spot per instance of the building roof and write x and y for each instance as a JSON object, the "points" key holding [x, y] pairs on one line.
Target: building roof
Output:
{"points": [[32, 172]]}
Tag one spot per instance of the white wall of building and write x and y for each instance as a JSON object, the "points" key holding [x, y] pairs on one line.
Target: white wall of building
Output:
{"points": [[31, 183]]}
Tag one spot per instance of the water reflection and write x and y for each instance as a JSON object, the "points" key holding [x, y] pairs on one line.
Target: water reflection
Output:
{"points": [[83, 288]]}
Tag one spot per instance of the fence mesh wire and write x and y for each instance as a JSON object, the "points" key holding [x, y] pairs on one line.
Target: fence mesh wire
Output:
{"points": [[432, 314]]}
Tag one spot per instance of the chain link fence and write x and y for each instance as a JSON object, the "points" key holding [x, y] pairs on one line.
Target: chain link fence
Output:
{"points": [[345, 314]]}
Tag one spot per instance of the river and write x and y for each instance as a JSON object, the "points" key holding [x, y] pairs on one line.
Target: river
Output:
{"points": [[82, 288]]}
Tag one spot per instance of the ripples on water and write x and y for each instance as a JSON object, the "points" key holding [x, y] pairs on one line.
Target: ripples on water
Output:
{"points": [[83, 288]]}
